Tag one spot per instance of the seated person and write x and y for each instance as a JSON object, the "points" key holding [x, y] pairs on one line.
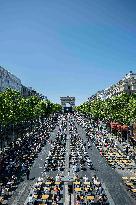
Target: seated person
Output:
{"points": [[56, 189], [99, 190], [40, 179], [85, 178], [39, 194], [95, 180], [30, 200], [86, 189], [57, 178], [46, 190], [55, 197], [78, 198]]}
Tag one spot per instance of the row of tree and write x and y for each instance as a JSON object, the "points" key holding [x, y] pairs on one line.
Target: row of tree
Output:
{"points": [[120, 109], [15, 109]]}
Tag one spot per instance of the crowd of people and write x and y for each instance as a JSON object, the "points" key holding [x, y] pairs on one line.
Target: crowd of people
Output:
{"points": [[107, 145], [109, 148], [17, 160], [89, 191], [56, 157], [48, 191], [79, 157]]}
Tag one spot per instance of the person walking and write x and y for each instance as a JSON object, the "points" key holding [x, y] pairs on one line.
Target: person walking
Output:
{"points": [[28, 173], [126, 150], [30, 200]]}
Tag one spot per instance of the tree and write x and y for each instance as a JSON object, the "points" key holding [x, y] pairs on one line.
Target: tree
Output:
{"points": [[120, 108]]}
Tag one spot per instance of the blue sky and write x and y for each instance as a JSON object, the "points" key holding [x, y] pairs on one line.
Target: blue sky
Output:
{"points": [[68, 47]]}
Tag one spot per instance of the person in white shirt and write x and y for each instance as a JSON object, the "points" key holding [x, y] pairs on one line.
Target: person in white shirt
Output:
{"points": [[40, 179], [95, 180], [57, 178], [30, 200], [85, 178]]}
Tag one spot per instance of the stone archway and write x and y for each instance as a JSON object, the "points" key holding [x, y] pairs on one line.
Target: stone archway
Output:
{"points": [[65, 101]]}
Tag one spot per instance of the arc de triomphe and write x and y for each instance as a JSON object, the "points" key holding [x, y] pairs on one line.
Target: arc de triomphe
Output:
{"points": [[67, 100]]}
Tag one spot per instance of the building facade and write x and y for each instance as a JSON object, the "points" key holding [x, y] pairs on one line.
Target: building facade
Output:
{"points": [[8, 80], [126, 85], [25, 91], [29, 91]]}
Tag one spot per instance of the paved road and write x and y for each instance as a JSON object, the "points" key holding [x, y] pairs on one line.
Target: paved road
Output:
{"points": [[20, 195], [111, 180], [67, 198], [108, 176]]}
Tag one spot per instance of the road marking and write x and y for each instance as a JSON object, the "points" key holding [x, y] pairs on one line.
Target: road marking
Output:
{"points": [[110, 199], [15, 202], [72, 199], [67, 198]]}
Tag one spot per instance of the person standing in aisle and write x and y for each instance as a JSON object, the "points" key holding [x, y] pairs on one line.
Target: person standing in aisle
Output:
{"points": [[28, 173]]}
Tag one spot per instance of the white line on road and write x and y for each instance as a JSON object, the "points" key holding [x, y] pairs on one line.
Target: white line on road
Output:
{"points": [[67, 197]]}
